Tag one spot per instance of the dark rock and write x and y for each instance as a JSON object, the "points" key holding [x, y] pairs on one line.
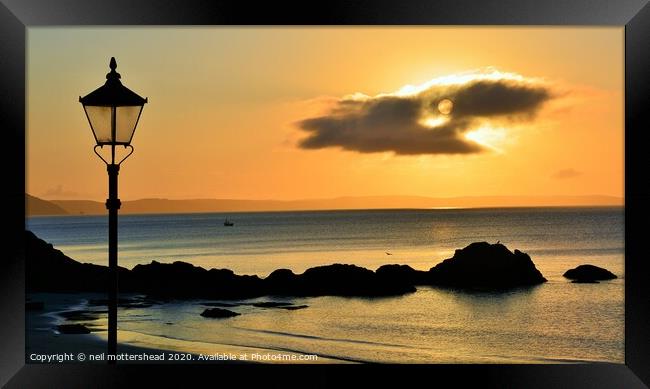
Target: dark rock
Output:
{"points": [[483, 265], [49, 270], [34, 306], [218, 313], [589, 274], [294, 307], [347, 280], [479, 265], [336, 279], [403, 273], [281, 282], [279, 305], [72, 329], [183, 280]]}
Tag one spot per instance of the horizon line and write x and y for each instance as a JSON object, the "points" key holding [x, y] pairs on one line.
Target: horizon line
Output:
{"points": [[424, 197], [35, 206]]}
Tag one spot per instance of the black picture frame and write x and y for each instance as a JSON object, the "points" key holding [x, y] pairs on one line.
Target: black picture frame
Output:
{"points": [[18, 15]]}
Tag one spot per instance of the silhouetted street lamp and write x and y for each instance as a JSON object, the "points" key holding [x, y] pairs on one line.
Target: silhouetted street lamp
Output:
{"points": [[113, 112]]}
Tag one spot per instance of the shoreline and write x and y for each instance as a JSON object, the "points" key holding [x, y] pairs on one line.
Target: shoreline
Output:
{"points": [[43, 341]]}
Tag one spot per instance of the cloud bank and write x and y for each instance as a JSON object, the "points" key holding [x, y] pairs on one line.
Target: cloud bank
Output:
{"points": [[408, 122]]}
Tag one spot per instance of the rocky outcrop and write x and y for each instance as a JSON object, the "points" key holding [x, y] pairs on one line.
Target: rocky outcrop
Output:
{"points": [[347, 280], [589, 274], [281, 282], [49, 270], [294, 307], [72, 329], [218, 313], [403, 273], [483, 265], [184, 280], [479, 265]]}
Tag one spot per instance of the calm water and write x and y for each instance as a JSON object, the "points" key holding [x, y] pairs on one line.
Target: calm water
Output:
{"points": [[556, 321]]}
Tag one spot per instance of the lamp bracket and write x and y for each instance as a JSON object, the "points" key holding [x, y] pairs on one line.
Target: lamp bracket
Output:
{"points": [[131, 149]]}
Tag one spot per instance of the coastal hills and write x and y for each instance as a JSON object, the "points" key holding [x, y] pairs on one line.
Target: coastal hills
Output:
{"points": [[479, 266], [39, 207]]}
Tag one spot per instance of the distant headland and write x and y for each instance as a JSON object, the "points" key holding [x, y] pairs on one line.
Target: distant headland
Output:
{"points": [[39, 207]]}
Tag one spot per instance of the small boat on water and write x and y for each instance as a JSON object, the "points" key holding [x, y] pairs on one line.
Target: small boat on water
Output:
{"points": [[228, 223]]}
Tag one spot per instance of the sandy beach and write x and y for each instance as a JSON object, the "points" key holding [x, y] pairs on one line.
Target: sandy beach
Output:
{"points": [[44, 344]]}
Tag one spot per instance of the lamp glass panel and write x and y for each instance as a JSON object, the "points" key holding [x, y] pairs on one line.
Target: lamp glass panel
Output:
{"points": [[100, 122], [126, 120]]}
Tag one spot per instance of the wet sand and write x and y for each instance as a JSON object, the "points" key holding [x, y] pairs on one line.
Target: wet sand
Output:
{"points": [[45, 344]]}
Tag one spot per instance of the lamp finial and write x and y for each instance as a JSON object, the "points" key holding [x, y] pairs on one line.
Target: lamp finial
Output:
{"points": [[113, 75]]}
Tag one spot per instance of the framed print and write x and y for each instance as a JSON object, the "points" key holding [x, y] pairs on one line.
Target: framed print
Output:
{"points": [[302, 192]]}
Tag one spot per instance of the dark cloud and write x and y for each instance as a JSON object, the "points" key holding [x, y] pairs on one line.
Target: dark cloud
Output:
{"points": [[397, 122], [383, 124], [489, 98], [566, 173]]}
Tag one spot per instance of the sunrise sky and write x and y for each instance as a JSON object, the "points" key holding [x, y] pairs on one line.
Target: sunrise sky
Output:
{"points": [[298, 113]]}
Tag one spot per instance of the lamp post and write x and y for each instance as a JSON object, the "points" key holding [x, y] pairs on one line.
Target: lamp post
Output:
{"points": [[113, 112]]}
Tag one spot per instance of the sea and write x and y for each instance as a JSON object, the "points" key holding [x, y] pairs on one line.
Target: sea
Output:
{"points": [[556, 322]]}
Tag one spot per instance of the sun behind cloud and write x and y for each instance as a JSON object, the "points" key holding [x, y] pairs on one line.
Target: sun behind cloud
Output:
{"points": [[454, 114], [445, 106]]}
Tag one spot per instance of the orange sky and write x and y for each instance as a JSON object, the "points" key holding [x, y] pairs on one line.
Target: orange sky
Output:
{"points": [[225, 106]]}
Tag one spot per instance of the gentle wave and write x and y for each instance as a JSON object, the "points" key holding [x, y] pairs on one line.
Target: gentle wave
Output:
{"points": [[322, 338]]}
